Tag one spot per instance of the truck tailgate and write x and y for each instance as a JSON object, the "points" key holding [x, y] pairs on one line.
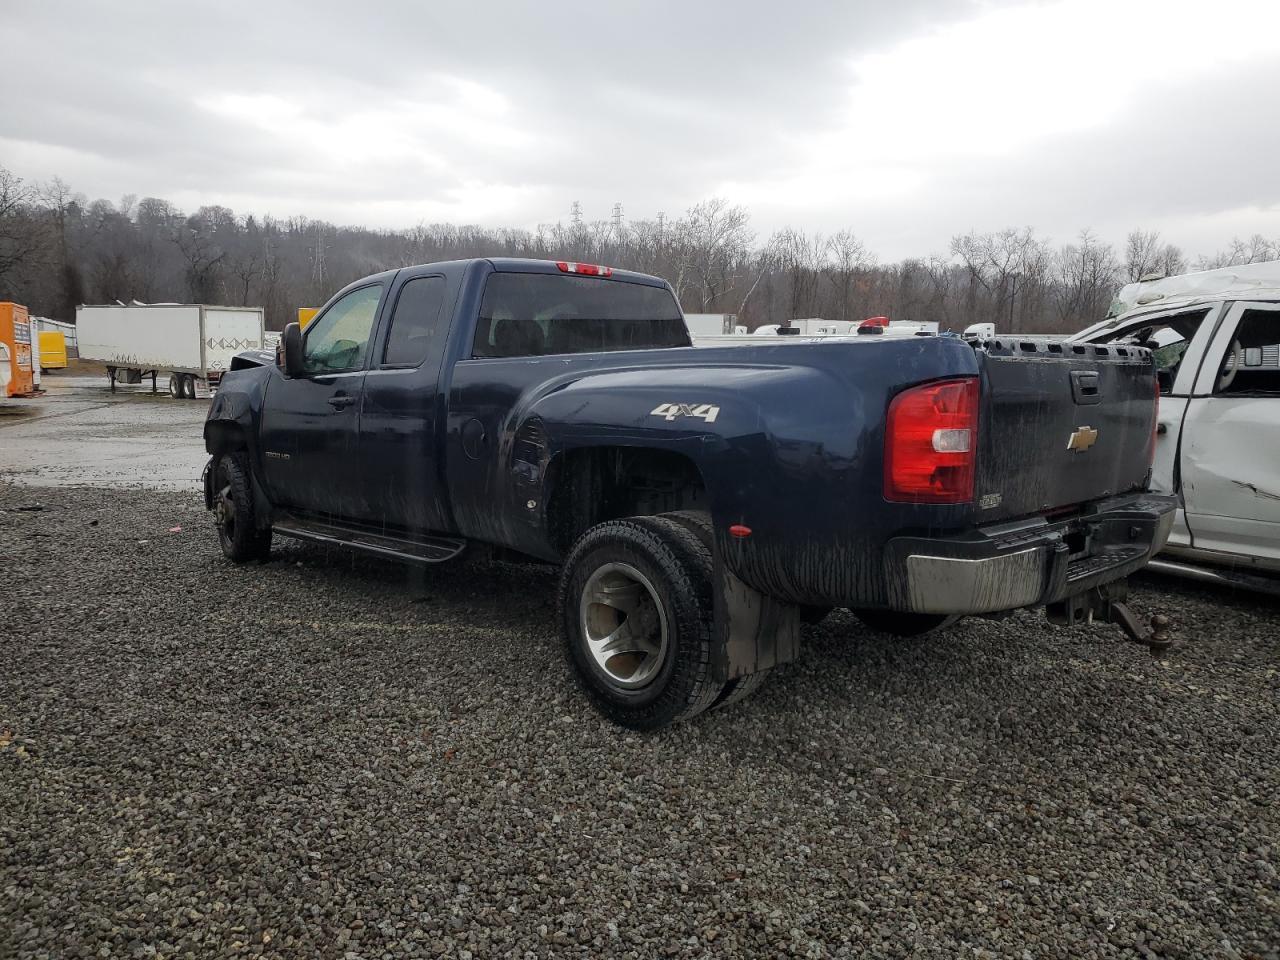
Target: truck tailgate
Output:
{"points": [[1062, 423]]}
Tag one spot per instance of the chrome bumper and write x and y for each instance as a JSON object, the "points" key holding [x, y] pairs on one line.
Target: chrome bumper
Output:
{"points": [[1028, 563]]}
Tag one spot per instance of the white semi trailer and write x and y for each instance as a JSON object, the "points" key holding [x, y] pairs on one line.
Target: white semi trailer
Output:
{"points": [[191, 343]]}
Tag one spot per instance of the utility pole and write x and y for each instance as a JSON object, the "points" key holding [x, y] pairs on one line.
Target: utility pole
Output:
{"points": [[575, 213], [317, 261]]}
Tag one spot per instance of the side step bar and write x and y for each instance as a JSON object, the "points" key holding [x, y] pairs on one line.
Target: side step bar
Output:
{"points": [[1223, 578], [424, 550]]}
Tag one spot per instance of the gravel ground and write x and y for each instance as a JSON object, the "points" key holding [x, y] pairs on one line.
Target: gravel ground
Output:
{"points": [[325, 757]]}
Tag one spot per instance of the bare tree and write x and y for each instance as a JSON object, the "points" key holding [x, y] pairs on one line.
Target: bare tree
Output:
{"points": [[1145, 255], [1086, 280], [20, 239], [714, 240], [1000, 267], [1256, 249], [244, 268], [202, 260], [849, 257], [802, 258]]}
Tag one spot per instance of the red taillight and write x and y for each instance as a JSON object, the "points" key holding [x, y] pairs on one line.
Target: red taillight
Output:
{"points": [[931, 442], [875, 322], [586, 269]]}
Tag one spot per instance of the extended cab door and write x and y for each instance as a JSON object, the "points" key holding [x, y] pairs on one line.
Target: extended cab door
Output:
{"points": [[1178, 339], [402, 411], [310, 424], [1231, 438]]}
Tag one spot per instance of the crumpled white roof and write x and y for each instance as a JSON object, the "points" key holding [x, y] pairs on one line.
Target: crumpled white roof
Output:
{"points": [[1248, 279]]}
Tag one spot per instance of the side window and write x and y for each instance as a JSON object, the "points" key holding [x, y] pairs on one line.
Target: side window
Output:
{"points": [[1167, 337], [1252, 363], [337, 340], [415, 324]]}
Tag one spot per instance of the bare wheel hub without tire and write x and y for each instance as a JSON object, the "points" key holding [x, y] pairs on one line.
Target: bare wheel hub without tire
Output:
{"points": [[624, 625]]}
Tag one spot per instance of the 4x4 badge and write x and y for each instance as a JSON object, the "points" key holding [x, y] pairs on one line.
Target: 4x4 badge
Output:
{"points": [[1082, 439], [670, 411]]}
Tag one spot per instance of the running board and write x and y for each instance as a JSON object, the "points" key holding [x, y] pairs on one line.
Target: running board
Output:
{"points": [[424, 550], [1223, 578]]}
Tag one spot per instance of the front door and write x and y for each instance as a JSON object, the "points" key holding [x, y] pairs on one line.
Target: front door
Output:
{"points": [[1178, 341], [311, 424], [1231, 439]]}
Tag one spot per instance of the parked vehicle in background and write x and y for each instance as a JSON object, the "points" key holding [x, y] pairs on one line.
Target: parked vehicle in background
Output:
{"points": [[1216, 340], [68, 331], [710, 324], [699, 501], [18, 337], [53, 351], [818, 330], [190, 343]]}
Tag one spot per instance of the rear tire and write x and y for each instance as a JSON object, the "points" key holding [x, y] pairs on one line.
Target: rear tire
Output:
{"points": [[738, 688], [654, 574], [175, 386], [233, 510], [189, 387], [901, 623]]}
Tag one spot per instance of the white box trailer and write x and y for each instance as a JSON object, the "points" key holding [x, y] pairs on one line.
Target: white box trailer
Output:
{"points": [[191, 343], [710, 324]]}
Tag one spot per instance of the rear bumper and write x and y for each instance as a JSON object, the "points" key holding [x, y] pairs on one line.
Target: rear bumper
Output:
{"points": [[1028, 563]]}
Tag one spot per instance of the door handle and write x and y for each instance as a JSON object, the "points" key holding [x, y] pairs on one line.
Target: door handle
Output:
{"points": [[341, 401], [1162, 428]]}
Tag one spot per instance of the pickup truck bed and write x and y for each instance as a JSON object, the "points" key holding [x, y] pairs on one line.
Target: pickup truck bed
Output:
{"points": [[699, 500]]}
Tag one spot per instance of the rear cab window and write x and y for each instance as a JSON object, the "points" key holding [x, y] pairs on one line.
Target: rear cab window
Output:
{"points": [[1251, 366], [539, 314], [415, 333]]}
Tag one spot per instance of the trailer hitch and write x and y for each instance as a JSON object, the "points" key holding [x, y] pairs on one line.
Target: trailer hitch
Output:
{"points": [[1156, 639], [1107, 604]]}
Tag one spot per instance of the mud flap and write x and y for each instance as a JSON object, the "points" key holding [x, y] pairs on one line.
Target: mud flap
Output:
{"points": [[754, 632]]}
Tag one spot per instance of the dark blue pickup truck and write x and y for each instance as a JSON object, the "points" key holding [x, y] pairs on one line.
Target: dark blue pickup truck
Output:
{"points": [[700, 501]]}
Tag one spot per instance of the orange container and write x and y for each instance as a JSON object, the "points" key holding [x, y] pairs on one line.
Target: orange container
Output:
{"points": [[15, 334]]}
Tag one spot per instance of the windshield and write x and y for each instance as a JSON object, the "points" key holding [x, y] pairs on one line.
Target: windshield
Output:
{"points": [[532, 314]]}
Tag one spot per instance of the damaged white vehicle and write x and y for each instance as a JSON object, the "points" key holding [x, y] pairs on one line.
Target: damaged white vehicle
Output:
{"points": [[1216, 338]]}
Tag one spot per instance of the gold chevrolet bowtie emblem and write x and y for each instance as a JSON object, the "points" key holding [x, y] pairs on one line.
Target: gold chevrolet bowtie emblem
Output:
{"points": [[1082, 439]]}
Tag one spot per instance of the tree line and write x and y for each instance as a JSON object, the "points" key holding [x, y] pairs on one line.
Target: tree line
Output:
{"points": [[58, 250]]}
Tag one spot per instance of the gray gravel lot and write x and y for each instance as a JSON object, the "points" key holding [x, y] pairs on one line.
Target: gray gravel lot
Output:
{"points": [[331, 757]]}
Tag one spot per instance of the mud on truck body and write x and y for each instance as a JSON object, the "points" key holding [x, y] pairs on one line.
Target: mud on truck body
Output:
{"points": [[700, 502]]}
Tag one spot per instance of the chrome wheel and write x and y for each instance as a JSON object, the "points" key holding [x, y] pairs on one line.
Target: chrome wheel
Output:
{"points": [[224, 508], [624, 625]]}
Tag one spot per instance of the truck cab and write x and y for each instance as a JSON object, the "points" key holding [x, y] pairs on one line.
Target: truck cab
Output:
{"points": [[1215, 337]]}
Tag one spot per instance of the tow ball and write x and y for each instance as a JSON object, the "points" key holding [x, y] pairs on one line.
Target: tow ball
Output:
{"points": [[1107, 604]]}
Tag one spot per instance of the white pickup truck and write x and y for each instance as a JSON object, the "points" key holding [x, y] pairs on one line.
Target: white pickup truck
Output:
{"points": [[1216, 337]]}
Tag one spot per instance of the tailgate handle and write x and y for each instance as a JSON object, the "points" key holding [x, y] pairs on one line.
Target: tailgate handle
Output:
{"points": [[1085, 387]]}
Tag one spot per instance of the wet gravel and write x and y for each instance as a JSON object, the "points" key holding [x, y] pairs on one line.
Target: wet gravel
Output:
{"points": [[325, 757]]}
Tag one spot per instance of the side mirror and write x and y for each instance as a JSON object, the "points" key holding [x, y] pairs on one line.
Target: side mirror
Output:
{"points": [[290, 356], [1165, 379]]}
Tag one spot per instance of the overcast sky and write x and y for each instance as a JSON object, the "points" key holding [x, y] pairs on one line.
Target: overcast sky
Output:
{"points": [[907, 121]]}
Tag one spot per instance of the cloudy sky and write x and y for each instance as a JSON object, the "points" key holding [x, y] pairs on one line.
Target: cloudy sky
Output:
{"points": [[907, 122]]}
